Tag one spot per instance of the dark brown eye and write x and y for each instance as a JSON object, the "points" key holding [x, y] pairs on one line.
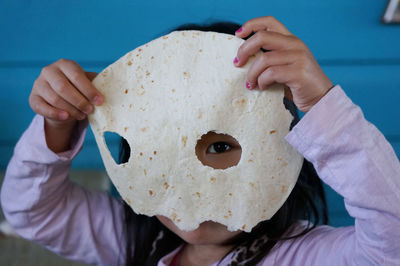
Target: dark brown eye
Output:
{"points": [[219, 147]]}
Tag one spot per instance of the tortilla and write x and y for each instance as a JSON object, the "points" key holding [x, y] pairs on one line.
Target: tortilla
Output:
{"points": [[162, 97]]}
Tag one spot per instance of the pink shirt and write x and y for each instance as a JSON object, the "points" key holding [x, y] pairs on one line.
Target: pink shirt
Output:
{"points": [[349, 154]]}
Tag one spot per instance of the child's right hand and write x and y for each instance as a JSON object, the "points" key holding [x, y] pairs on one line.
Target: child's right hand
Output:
{"points": [[63, 93]]}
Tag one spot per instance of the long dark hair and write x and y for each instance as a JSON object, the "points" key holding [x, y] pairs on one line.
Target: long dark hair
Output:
{"points": [[306, 202]]}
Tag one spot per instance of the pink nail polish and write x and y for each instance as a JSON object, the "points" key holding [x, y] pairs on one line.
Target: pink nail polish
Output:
{"points": [[236, 60], [239, 30], [248, 85]]}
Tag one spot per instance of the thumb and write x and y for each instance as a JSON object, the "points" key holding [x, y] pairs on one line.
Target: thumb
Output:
{"points": [[288, 93], [91, 75]]}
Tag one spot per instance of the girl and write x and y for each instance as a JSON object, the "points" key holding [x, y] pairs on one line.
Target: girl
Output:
{"points": [[349, 154]]}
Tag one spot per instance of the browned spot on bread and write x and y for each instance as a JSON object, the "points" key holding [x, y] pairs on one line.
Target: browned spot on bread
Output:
{"points": [[163, 175], [241, 102], [125, 129], [251, 184], [184, 140], [152, 57], [126, 91], [244, 227], [130, 187], [272, 132], [173, 90], [151, 158], [141, 153], [166, 185], [201, 50], [250, 161], [165, 37], [230, 194], [198, 194], [143, 129], [186, 74], [127, 200], [130, 106], [150, 192], [213, 179], [284, 188], [229, 212], [284, 164], [129, 63], [152, 81], [154, 152], [140, 49], [145, 172], [147, 73]]}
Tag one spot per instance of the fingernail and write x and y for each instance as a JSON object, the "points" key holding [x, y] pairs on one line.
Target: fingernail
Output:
{"points": [[97, 100], [239, 30], [248, 85], [63, 115], [88, 109], [236, 60]]}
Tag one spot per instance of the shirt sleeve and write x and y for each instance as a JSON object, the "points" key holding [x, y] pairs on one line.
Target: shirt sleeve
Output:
{"points": [[355, 159], [43, 205]]}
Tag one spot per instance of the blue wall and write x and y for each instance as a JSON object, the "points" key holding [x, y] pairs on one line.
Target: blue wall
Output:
{"points": [[346, 37]]}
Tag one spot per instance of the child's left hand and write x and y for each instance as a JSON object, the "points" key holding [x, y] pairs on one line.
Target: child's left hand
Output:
{"points": [[288, 61]]}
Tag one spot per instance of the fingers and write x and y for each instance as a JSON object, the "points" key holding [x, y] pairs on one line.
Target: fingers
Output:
{"points": [[266, 40], [267, 23], [266, 60], [275, 74], [64, 90], [79, 78], [40, 106], [62, 86], [53, 99]]}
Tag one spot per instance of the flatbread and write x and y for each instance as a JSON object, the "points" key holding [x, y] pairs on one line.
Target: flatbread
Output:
{"points": [[162, 97]]}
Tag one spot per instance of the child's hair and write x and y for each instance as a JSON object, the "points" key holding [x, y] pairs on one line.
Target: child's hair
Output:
{"points": [[148, 240]]}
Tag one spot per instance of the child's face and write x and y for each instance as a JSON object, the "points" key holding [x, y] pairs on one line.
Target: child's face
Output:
{"points": [[220, 152]]}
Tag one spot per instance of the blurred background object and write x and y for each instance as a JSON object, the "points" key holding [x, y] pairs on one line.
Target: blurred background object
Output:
{"points": [[392, 12], [354, 49]]}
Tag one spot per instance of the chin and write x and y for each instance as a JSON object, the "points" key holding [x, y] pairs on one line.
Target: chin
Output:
{"points": [[208, 233]]}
